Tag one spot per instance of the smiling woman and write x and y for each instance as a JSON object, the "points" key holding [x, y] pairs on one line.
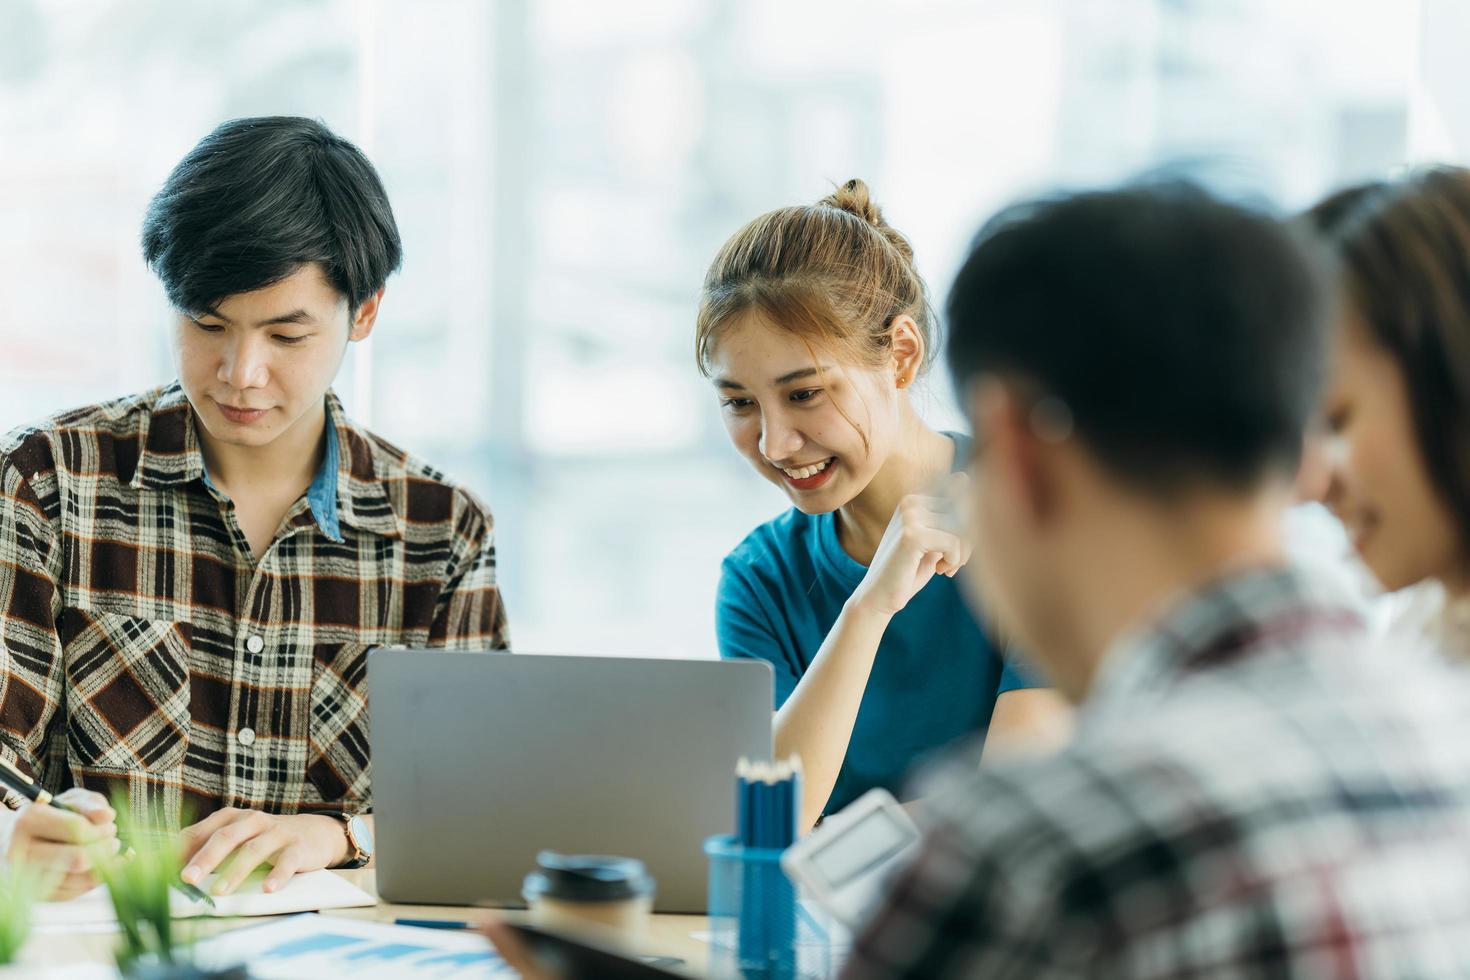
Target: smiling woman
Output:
{"points": [[1396, 409], [813, 326]]}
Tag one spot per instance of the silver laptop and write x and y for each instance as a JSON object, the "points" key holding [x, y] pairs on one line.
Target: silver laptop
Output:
{"points": [[481, 760]]}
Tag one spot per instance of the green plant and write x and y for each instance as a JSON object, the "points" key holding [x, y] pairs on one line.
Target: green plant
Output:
{"points": [[21, 887], [140, 883]]}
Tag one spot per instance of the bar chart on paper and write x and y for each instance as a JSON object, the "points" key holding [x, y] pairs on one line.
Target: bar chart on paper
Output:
{"points": [[318, 946]]}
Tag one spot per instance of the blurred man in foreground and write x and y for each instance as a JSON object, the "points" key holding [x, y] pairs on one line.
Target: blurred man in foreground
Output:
{"points": [[1253, 791]]}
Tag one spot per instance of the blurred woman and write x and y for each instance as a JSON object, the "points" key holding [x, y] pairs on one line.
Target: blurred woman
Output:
{"points": [[1398, 402]]}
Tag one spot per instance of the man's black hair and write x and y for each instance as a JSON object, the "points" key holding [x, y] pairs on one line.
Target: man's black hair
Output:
{"points": [[1186, 335], [258, 198]]}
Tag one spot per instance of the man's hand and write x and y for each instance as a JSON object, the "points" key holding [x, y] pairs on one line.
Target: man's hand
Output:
{"points": [[62, 845], [236, 842], [513, 951]]}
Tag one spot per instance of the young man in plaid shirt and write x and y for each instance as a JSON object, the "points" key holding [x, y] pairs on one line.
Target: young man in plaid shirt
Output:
{"points": [[190, 578], [1253, 790]]}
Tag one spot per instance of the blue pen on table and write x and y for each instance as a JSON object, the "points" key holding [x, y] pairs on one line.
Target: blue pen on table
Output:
{"points": [[433, 923], [13, 778], [662, 961]]}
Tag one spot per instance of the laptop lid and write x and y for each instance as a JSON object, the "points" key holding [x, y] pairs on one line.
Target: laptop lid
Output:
{"points": [[481, 760]]}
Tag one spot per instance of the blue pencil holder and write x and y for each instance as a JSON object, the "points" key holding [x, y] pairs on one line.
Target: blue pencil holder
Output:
{"points": [[759, 928]]}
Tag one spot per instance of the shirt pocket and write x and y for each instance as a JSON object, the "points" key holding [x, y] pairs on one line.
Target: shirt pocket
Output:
{"points": [[337, 763], [127, 691]]}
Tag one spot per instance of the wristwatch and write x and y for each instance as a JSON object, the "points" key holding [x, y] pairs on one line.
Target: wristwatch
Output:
{"points": [[359, 838]]}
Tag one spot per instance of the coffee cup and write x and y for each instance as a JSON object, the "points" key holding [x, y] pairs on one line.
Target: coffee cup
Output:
{"points": [[579, 892]]}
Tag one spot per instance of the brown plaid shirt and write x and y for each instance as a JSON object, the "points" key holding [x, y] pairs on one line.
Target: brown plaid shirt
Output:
{"points": [[143, 650]]}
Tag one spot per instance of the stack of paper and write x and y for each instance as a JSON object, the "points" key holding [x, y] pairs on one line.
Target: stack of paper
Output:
{"points": [[308, 892]]}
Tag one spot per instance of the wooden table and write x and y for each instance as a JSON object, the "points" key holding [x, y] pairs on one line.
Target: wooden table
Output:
{"points": [[668, 935]]}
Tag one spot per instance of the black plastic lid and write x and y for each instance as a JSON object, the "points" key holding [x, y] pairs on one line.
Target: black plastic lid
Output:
{"points": [[586, 878]]}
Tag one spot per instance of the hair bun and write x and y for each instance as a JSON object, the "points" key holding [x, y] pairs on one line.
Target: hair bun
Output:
{"points": [[853, 198]]}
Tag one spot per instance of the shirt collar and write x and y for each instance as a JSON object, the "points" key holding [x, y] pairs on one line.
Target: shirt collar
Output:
{"points": [[168, 449], [169, 458], [1225, 622], [321, 496], [362, 495]]}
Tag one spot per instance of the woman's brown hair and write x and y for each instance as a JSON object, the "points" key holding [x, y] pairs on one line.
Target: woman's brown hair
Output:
{"points": [[1404, 248], [833, 273]]}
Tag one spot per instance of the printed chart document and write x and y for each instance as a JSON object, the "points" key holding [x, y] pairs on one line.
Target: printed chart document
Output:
{"points": [[315, 946], [308, 892]]}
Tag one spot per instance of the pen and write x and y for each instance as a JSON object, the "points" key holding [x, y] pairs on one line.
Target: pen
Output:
{"points": [[13, 778], [433, 923]]}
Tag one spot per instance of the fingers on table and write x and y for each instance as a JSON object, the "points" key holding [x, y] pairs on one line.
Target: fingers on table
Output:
{"points": [[227, 833], [196, 835], [250, 855]]}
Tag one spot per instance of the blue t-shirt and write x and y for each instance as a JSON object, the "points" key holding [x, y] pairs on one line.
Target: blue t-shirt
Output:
{"points": [[935, 677]]}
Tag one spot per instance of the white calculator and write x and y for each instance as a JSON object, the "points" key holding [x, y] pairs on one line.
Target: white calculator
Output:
{"points": [[845, 862]]}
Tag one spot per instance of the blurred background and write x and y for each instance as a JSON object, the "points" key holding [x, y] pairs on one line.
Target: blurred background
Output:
{"points": [[563, 170]]}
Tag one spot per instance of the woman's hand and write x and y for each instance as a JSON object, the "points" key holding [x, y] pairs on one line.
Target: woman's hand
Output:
{"points": [[922, 540], [236, 842]]}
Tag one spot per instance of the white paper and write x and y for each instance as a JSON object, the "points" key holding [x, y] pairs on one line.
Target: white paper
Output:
{"points": [[64, 971], [309, 892], [315, 946]]}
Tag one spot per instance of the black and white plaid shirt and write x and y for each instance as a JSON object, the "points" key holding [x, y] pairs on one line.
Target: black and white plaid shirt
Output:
{"points": [[1254, 791]]}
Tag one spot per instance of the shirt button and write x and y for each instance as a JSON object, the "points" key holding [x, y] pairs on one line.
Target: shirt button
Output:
{"points": [[255, 644], [246, 736]]}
